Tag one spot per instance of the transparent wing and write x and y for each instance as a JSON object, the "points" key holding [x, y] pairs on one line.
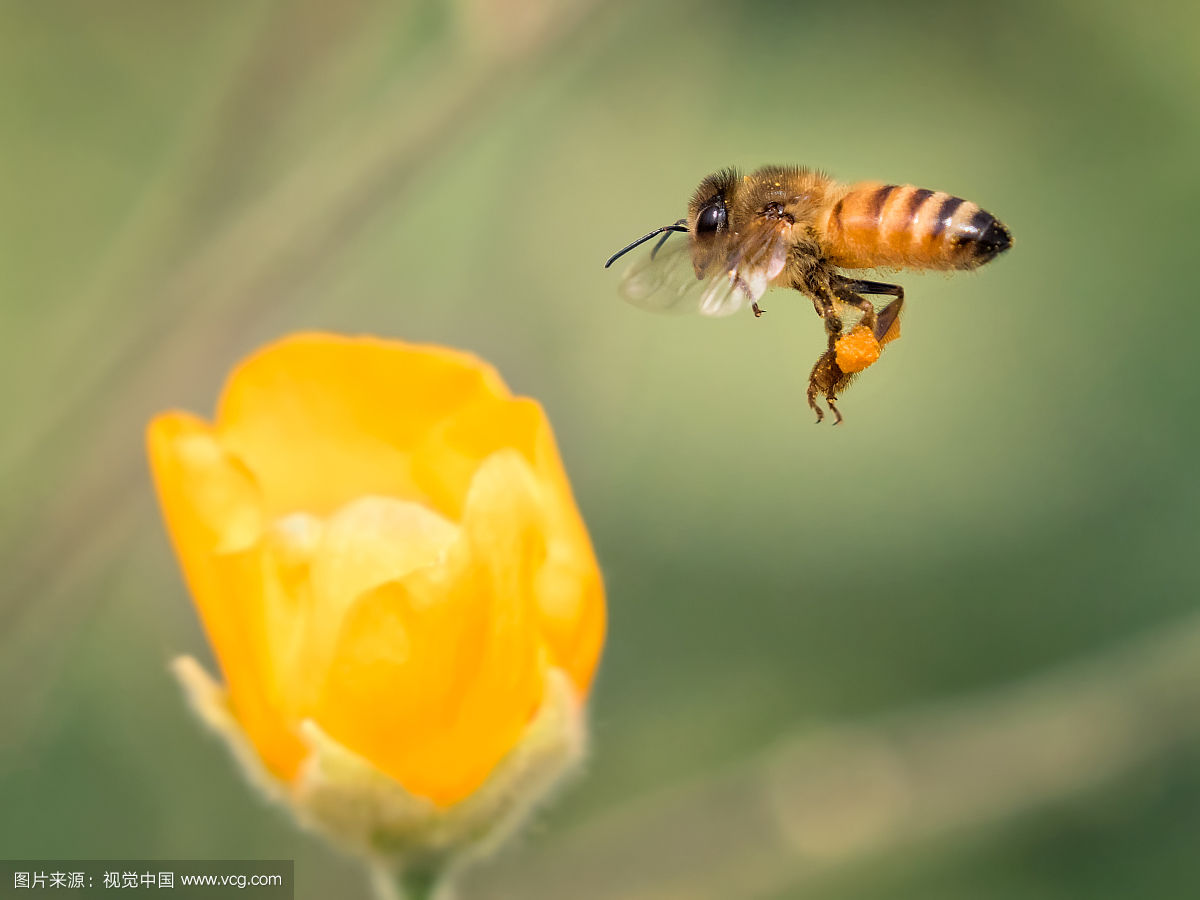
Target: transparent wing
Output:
{"points": [[736, 274], [663, 279]]}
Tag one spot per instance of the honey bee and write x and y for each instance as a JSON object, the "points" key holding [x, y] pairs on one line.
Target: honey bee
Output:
{"points": [[786, 226]]}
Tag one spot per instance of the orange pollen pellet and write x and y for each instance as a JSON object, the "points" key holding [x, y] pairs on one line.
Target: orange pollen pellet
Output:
{"points": [[856, 350]]}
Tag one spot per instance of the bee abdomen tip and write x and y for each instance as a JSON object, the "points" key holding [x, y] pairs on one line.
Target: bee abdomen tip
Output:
{"points": [[994, 240]]}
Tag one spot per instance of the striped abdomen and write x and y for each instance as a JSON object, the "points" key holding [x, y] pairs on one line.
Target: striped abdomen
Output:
{"points": [[901, 226]]}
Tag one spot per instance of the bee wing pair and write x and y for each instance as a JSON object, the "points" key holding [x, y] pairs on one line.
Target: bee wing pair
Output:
{"points": [[732, 275]]}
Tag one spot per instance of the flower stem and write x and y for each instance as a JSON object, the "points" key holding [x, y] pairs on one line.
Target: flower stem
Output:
{"points": [[410, 883], [419, 884]]}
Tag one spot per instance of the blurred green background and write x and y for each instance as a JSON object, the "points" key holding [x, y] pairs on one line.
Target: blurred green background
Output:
{"points": [[948, 649]]}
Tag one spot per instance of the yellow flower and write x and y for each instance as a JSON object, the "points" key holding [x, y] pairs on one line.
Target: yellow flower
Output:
{"points": [[396, 583]]}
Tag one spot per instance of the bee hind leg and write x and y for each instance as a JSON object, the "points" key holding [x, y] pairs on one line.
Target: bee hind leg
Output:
{"points": [[829, 380], [849, 291], [812, 401], [833, 408], [887, 324]]}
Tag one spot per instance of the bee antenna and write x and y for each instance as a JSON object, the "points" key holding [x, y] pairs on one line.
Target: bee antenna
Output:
{"points": [[677, 226]]}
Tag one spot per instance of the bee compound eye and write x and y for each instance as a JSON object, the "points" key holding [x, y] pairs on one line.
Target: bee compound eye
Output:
{"points": [[711, 218]]}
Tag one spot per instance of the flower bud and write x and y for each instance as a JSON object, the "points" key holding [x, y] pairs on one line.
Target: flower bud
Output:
{"points": [[397, 586]]}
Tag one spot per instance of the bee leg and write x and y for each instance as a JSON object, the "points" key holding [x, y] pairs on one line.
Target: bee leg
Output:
{"points": [[862, 303], [823, 306], [812, 400], [833, 408], [833, 322], [758, 310], [887, 325], [827, 376], [828, 379], [861, 286], [848, 291]]}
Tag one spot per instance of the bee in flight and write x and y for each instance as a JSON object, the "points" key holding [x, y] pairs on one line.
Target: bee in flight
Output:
{"points": [[786, 226]]}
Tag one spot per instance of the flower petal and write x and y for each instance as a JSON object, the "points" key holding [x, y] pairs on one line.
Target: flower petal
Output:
{"points": [[321, 419], [212, 508], [361, 807], [436, 675], [318, 568], [445, 463], [569, 588], [209, 498]]}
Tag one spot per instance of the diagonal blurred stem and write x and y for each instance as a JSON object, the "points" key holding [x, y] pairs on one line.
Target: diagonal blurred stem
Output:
{"points": [[160, 228], [820, 803]]}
